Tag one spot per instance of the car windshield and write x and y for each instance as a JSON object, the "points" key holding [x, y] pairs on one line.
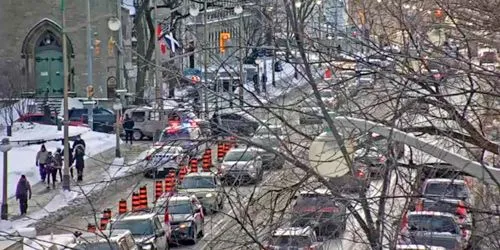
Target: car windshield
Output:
{"points": [[179, 208], [430, 223], [239, 156], [198, 182], [267, 141], [97, 246], [315, 203], [295, 241], [136, 227], [268, 131], [446, 189]]}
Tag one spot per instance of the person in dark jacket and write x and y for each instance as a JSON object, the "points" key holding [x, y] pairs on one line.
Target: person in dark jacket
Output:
{"points": [[79, 152], [41, 161], [49, 168], [23, 193], [78, 141], [128, 125], [58, 163]]}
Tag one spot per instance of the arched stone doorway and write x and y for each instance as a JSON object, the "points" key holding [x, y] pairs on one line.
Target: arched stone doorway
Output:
{"points": [[42, 51]]}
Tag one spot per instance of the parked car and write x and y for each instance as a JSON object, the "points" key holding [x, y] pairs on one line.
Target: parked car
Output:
{"points": [[207, 187], [40, 118], [241, 165], [103, 119], [320, 210], [185, 215], [161, 159], [237, 123], [146, 227], [269, 158], [114, 240], [433, 229], [147, 122], [299, 238]]}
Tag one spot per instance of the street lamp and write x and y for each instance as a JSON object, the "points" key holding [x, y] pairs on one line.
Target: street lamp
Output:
{"points": [[5, 147], [117, 107]]}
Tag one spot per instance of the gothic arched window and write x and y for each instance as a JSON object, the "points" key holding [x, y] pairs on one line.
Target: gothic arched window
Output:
{"points": [[47, 39]]}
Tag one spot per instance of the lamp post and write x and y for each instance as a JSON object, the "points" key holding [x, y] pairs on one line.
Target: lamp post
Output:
{"points": [[66, 181], [5, 147]]}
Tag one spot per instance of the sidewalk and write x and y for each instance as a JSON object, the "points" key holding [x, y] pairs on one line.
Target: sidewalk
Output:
{"points": [[98, 169]]}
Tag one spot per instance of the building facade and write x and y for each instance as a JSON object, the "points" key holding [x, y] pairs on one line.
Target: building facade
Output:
{"points": [[32, 46]]}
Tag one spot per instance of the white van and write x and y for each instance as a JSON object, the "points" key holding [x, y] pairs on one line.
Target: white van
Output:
{"points": [[147, 119]]}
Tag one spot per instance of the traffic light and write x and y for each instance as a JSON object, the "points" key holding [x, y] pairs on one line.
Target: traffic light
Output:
{"points": [[90, 91], [97, 47], [223, 37]]}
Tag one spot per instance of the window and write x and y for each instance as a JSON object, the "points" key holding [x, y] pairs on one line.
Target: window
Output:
{"points": [[138, 116], [157, 223], [198, 182]]}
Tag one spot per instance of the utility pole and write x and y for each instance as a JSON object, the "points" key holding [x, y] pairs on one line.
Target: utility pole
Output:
{"points": [[158, 76], [240, 41], [205, 59], [66, 175], [90, 106]]}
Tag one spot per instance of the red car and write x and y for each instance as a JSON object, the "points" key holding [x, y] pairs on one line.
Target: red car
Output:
{"points": [[39, 118]]}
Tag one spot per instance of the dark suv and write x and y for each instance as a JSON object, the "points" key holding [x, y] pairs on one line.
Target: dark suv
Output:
{"points": [[233, 123], [104, 119]]}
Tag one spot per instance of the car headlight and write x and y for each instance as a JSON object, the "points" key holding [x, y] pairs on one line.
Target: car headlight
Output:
{"points": [[209, 195], [147, 247], [185, 225], [251, 166]]}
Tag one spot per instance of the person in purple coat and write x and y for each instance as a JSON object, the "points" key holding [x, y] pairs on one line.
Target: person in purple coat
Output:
{"points": [[23, 193]]}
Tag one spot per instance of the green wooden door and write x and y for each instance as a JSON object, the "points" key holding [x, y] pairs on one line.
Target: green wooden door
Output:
{"points": [[49, 73]]}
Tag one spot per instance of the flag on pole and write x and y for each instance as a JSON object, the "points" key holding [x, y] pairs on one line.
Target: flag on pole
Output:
{"points": [[172, 43]]}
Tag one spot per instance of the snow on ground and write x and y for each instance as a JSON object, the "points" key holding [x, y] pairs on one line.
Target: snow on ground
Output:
{"points": [[21, 159], [22, 132]]}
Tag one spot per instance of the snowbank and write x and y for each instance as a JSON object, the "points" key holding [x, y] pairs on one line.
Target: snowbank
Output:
{"points": [[23, 132], [22, 106], [22, 158]]}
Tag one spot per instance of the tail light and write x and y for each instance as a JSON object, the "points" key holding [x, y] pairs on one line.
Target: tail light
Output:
{"points": [[464, 233], [419, 206], [461, 210], [382, 159], [404, 221], [148, 158], [360, 174], [311, 248]]}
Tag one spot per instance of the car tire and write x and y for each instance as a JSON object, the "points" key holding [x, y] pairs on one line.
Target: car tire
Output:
{"points": [[194, 239], [137, 135]]}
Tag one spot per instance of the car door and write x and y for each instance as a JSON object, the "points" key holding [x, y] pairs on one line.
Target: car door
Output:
{"points": [[160, 240]]}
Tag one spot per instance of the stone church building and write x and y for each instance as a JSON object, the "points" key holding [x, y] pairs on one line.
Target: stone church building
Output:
{"points": [[31, 58]]}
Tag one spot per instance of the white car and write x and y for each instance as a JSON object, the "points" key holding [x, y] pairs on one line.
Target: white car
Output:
{"points": [[242, 164], [300, 238], [270, 130]]}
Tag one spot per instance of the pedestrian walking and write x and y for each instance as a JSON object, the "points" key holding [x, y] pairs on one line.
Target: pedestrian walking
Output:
{"points": [[79, 161], [41, 161], [78, 141], [58, 162], [51, 171], [23, 194], [128, 125]]}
